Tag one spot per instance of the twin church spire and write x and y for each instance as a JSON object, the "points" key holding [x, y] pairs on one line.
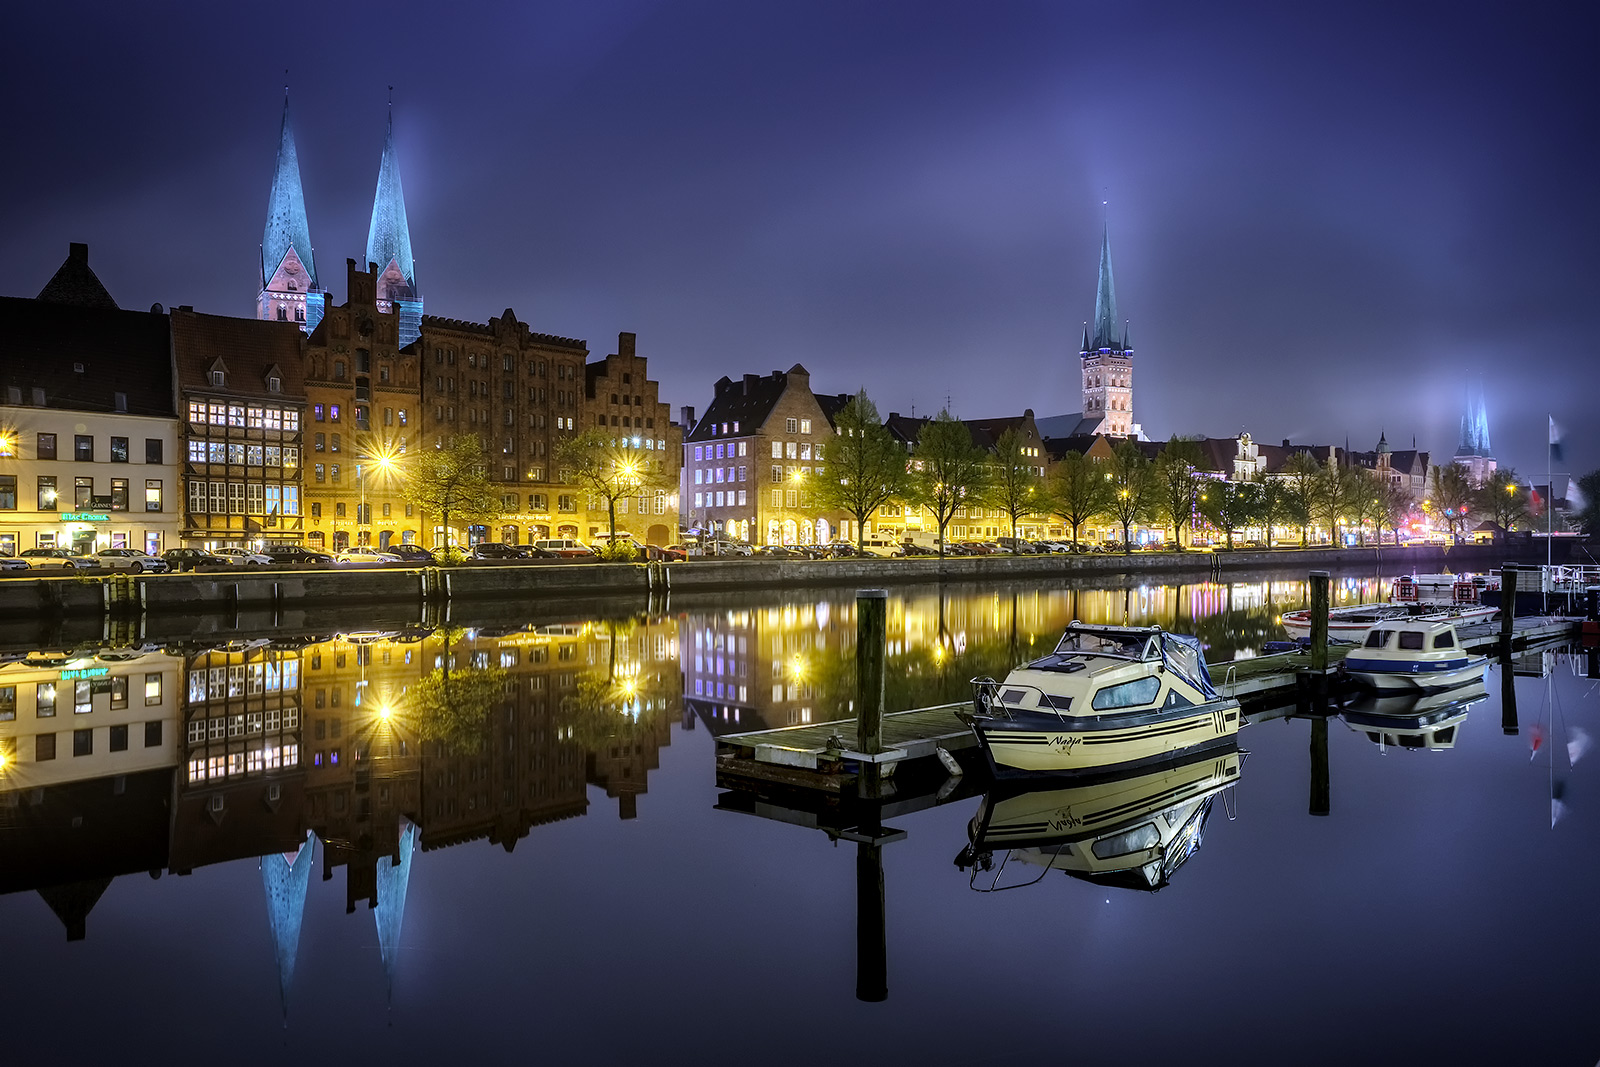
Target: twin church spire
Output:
{"points": [[289, 287]]}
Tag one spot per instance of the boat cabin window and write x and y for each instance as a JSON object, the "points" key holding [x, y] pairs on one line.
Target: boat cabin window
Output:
{"points": [[1445, 736], [1133, 646], [1132, 694], [1411, 640], [1445, 639], [1378, 638]]}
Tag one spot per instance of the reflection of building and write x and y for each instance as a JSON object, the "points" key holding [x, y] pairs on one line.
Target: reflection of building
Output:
{"points": [[88, 440]]}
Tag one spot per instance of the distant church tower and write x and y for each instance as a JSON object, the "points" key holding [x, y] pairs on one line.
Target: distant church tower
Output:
{"points": [[289, 290], [389, 245], [1473, 451], [1107, 358]]}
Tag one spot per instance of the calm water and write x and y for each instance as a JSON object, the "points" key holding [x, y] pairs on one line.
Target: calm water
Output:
{"points": [[316, 842]]}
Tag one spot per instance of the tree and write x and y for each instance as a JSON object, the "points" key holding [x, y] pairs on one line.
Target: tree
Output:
{"points": [[948, 469], [1300, 491], [450, 705], [1331, 496], [1451, 496], [452, 481], [1231, 506], [1394, 505], [1014, 478], [1587, 500], [1178, 478], [602, 466], [1079, 490], [1503, 500], [1274, 506], [866, 466], [1132, 488], [1365, 501]]}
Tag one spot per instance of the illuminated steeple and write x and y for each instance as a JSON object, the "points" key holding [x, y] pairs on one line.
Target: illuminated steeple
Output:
{"points": [[389, 243], [1107, 360], [289, 288], [1105, 301]]}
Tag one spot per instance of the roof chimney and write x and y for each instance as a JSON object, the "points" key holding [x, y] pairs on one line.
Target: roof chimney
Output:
{"points": [[686, 417], [1285, 442], [625, 344], [78, 252], [750, 381]]}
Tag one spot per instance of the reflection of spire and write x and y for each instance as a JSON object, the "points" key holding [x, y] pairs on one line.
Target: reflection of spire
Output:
{"points": [[73, 903], [392, 880], [285, 879]]}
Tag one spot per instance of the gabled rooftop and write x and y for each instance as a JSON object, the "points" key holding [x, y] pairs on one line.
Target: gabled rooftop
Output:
{"points": [[85, 358], [75, 284]]}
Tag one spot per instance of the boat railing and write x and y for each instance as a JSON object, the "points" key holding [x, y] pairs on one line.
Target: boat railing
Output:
{"points": [[989, 697], [984, 864]]}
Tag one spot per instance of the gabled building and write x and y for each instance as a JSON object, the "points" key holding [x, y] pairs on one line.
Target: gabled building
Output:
{"points": [[389, 244], [89, 444], [242, 405], [620, 396], [289, 290]]}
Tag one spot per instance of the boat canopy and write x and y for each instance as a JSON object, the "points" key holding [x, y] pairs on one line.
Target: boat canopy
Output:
{"points": [[1184, 656]]}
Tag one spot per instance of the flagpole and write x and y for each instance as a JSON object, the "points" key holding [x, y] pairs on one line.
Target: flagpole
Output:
{"points": [[1550, 502]]}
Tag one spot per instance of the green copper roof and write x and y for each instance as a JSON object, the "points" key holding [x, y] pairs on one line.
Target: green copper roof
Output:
{"points": [[1106, 333], [286, 210], [389, 238]]}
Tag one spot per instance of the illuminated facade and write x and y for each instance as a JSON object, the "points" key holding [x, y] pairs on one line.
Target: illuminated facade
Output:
{"points": [[620, 397], [289, 290], [1107, 361]]}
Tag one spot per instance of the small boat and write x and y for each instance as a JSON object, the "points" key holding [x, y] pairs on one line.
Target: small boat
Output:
{"points": [[1351, 624], [1415, 654], [1440, 589], [1133, 830], [1414, 721], [1107, 696]]}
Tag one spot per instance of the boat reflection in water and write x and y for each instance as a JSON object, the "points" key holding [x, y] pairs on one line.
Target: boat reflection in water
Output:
{"points": [[1428, 721], [1133, 830]]}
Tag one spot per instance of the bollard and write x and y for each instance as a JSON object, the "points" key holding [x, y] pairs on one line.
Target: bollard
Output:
{"points": [[1508, 607], [1320, 792], [872, 611]]}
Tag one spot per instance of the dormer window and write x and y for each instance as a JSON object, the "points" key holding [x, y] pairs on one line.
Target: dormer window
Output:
{"points": [[274, 384], [219, 378]]}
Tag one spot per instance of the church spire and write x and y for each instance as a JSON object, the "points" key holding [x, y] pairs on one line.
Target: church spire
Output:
{"points": [[285, 879], [389, 238], [1105, 300], [286, 227]]}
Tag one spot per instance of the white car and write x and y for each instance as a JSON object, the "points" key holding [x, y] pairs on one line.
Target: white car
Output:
{"points": [[242, 557], [363, 554], [132, 560]]}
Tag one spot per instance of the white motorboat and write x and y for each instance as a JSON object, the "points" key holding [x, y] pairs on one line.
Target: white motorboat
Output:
{"points": [[1107, 696], [1414, 654], [1441, 589], [1414, 721], [1350, 624]]}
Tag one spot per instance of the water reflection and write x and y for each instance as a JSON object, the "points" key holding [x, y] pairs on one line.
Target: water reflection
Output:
{"points": [[1411, 721]]}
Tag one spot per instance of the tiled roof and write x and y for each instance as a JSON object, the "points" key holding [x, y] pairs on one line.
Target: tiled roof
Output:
{"points": [[42, 344], [436, 322], [748, 402], [248, 349], [74, 283]]}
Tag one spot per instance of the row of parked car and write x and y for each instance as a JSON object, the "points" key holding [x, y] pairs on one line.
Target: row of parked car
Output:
{"points": [[134, 561]]}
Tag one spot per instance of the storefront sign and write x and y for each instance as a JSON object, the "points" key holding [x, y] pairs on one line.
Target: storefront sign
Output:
{"points": [[84, 672], [85, 516]]}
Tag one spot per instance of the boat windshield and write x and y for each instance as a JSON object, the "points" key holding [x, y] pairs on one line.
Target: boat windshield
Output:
{"points": [[1127, 644]]}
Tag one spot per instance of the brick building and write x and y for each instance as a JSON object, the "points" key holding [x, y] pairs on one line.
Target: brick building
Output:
{"points": [[620, 396]]}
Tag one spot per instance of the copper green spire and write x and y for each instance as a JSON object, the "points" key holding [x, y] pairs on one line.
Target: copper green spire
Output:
{"points": [[1105, 301], [389, 238], [286, 210]]}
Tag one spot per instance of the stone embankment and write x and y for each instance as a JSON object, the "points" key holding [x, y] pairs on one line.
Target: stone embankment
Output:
{"points": [[272, 589]]}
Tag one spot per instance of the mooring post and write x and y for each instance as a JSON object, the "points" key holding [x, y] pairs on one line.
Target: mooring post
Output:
{"points": [[1508, 608], [1319, 621], [1320, 792], [872, 621]]}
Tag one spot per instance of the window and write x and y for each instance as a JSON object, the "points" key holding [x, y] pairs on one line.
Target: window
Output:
{"points": [[235, 498], [1445, 639], [119, 692], [777, 473], [152, 689], [777, 450], [119, 450], [119, 494], [8, 703], [333, 472], [805, 425], [44, 700], [44, 747], [777, 498], [318, 471], [1411, 640], [152, 450], [152, 734], [118, 738], [83, 742], [82, 697], [1132, 694], [790, 425], [83, 448], [317, 412], [333, 443], [47, 493], [8, 492]]}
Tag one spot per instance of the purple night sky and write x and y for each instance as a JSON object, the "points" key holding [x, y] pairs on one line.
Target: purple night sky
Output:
{"points": [[1323, 223]]}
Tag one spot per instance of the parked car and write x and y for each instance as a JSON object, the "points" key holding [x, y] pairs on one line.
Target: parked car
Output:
{"points": [[295, 555], [187, 559], [243, 557], [364, 554], [13, 563], [58, 557], [493, 550], [532, 552], [131, 560], [412, 554], [675, 552], [565, 547], [778, 552]]}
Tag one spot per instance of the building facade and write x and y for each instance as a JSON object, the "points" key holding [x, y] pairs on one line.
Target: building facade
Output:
{"points": [[364, 402], [89, 443], [1107, 361], [620, 397], [241, 402]]}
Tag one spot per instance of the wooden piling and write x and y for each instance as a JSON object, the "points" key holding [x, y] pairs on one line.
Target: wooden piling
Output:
{"points": [[1319, 803], [872, 935], [1319, 621], [872, 619], [1508, 607], [1508, 698]]}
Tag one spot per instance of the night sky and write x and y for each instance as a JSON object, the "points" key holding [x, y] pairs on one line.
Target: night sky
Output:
{"points": [[1324, 223]]}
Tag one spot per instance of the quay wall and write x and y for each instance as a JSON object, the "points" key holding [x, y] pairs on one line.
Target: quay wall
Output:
{"points": [[192, 593]]}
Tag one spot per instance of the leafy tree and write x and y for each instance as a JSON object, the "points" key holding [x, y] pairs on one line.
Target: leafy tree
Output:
{"points": [[1300, 491], [1394, 505], [1014, 478], [1365, 500], [948, 469], [866, 466], [1231, 506], [1451, 496], [1588, 515], [1079, 490], [1503, 500], [451, 705], [1274, 506], [452, 481], [1331, 496], [1177, 475], [1133, 488], [598, 463]]}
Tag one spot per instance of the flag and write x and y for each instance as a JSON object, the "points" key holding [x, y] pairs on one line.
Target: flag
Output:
{"points": [[1555, 441], [1576, 501]]}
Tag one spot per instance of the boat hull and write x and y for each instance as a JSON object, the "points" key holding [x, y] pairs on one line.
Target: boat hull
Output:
{"points": [[1413, 677], [1298, 623], [1041, 744]]}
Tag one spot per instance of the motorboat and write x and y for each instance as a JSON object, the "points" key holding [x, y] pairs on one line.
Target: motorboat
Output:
{"points": [[1422, 653], [1414, 720], [1440, 589], [1350, 624], [1107, 696], [1132, 830]]}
